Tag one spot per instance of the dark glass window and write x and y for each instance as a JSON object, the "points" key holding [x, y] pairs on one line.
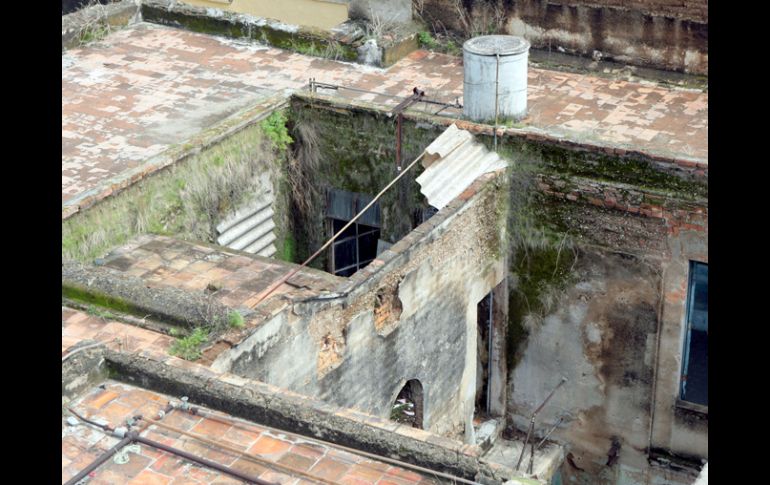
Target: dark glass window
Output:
{"points": [[354, 249], [695, 358]]}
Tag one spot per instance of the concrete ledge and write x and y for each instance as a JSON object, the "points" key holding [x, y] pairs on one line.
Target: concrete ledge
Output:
{"points": [[117, 14], [82, 369], [690, 170], [275, 407], [346, 42], [129, 294]]}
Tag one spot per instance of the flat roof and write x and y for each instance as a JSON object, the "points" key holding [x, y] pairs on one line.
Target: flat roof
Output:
{"points": [[146, 88], [266, 453]]}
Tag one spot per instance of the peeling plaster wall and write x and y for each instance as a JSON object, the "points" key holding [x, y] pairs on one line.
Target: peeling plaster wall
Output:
{"points": [[615, 329], [602, 339], [336, 351]]}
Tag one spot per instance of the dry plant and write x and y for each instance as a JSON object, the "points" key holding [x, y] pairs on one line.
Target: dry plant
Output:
{"points": [[377, 26], [484, 20], [301, 168], [95, 25]]}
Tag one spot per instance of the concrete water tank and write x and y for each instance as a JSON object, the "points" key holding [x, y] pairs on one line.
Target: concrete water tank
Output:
{"points": [[495, 64]]}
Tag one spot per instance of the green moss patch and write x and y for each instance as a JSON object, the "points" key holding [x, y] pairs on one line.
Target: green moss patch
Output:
{"points": [[186, 199]]}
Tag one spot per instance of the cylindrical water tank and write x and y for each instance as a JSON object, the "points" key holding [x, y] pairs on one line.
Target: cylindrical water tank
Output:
{"points": [[495, 64]]}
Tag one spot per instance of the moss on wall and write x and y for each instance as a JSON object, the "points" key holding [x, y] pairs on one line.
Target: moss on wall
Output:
{"points": [[634, 170], [304, 41], [186, 199], [355, 151]]}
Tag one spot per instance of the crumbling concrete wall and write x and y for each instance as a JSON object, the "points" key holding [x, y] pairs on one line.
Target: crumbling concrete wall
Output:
{"points": [[600, 278], [655, 33], [411, 314]]}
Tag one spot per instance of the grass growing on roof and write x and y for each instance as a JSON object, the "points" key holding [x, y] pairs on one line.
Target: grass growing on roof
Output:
{"points": [[186, 199]]}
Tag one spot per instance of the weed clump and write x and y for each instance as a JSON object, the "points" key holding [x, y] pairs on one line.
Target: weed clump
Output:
{"points": [[189, 347], [274, 127], [235, 320]]}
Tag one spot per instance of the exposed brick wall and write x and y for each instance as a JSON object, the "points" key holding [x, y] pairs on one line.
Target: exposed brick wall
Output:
{"points": [[676, 214]]}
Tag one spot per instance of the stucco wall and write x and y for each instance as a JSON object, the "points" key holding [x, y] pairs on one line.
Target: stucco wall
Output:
{"points": [[342, 352]]}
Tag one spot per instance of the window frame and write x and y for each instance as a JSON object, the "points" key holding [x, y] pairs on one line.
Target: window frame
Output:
{"points": [[358, 265], [690, 304]]}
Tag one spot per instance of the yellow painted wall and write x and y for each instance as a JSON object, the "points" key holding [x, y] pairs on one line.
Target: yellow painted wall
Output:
{"points": [[322, 14]]}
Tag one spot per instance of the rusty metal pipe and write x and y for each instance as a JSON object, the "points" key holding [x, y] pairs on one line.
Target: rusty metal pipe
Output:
{"points": [[99, 461], [532, 420], [200, 460]]}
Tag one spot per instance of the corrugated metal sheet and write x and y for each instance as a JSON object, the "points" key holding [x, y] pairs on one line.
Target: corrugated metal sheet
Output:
{"points": [[250, 229], [452, 162], [344, 205]]}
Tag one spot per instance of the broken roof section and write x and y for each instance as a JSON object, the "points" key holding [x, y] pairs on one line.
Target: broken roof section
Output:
{"points": [[452, 162]]}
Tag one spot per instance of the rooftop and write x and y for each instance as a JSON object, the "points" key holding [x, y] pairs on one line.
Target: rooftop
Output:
{"points": [[262, 452], [147, 88]]}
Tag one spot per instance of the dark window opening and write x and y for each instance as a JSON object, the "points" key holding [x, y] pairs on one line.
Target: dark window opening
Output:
{"points": [[483, 352], [354, 249], [695, 358], [408, 408], [357, 246]]}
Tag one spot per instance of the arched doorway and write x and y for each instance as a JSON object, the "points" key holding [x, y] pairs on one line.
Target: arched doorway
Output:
{"points": [[408, 406]]}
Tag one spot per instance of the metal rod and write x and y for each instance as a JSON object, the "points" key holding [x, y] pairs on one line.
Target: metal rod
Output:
{"points": [[532, 454], [274, 465], [526, 440], [532, 419], [399, 119], [539, 408], [291, 273], [549, 433], [489, 354], [497, 84], [200, 460], [99, 461]]}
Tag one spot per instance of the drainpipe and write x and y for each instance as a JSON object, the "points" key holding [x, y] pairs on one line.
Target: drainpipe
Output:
{"points": [[200, 460]]}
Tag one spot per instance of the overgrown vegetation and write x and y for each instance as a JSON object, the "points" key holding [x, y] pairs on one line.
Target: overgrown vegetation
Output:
{"points": [[542, 257], [187, 199], [274, 127], [427, 40], [95, 26], [189, 347], [486, 18]]}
